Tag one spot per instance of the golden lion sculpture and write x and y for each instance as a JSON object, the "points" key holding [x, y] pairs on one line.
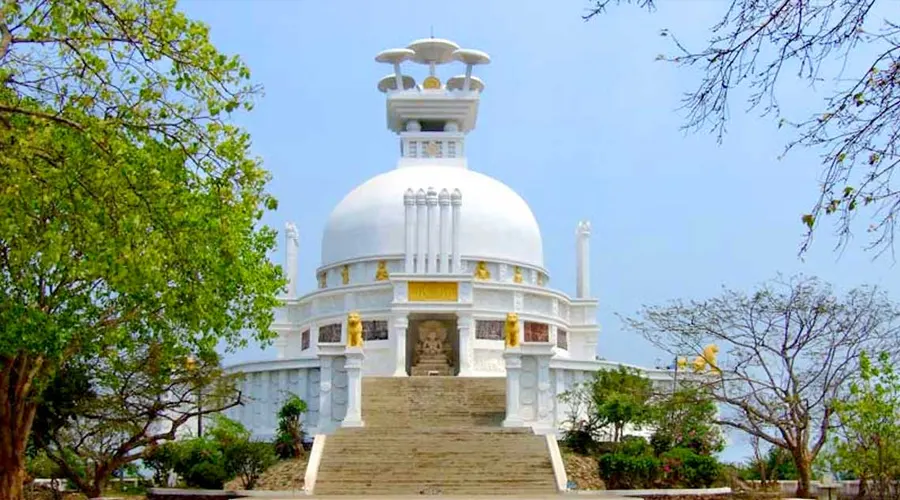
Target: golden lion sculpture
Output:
{"points": [[354, 330], [511, 329]]}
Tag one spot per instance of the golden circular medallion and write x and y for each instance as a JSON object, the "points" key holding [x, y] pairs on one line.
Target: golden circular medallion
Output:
{"points": [[431, 83]]}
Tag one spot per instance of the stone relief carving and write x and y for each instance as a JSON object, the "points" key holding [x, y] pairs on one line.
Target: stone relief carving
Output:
{"points": [[375, 330], [504, 272], [489, 329], [330, 333], [555, 307], [536, 332]]}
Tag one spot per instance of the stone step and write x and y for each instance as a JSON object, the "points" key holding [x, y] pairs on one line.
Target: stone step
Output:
{"points": [[434, 435]]}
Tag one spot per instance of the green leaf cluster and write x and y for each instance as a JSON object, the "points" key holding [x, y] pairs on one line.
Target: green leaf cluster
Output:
{"points": [[867, 445]]}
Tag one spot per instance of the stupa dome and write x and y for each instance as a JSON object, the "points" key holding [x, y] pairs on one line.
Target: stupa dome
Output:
{"points": [[495, 223]]}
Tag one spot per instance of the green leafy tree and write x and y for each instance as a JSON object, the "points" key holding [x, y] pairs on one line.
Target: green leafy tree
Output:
{"points": [[129, 204], [138, 402], [685, 419], [603, 407], [622, 397], [788, 351], [848, 48], [289, 441], [868, 442]]}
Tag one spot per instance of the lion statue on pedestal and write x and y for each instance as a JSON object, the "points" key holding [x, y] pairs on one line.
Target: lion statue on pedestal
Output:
{"points": [[354, 330], [511, 330]]}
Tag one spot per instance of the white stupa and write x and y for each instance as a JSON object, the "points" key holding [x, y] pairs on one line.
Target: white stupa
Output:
{"points": [[439, 263]]}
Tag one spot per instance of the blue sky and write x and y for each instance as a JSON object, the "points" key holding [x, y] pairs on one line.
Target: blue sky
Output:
{"points": [[576, 117]]}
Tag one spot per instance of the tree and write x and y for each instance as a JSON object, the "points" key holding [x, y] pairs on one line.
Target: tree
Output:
{"points": [[788, 350], [137, 403], [604, 406], [129, 205], [867, 444], [289, 440], [849, 45], [684, 419]]}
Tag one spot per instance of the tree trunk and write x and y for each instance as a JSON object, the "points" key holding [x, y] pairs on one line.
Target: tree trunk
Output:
{"points": [[17, 410], [11, 479], [804, 472]]}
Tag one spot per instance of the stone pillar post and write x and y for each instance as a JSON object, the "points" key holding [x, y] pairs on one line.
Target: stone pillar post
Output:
{"points": [[583, 260], [399, 326], [444, 203], [466, 326], [292, 246], [431, 199], [326, 423], [513, 357], [421, 231], [545, 393], [353, 365], [456, 204], [409, 202]]}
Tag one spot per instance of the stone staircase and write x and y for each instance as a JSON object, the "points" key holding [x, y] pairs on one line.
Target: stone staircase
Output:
{"points": [[433, 436]]}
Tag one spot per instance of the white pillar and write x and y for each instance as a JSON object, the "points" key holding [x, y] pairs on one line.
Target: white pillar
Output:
{"points": [[456, 203], [421, 231], [513, 357], [545, 393], [582, 258], [326, 424], [399, 325], [353, 365], [466, 326], [409, 202], [444, 202], [431, 199], [292, 247]]}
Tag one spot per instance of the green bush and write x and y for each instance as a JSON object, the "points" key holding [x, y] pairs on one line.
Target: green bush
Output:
{"points": [[683, 467], [248, 460], [162, 460], [40, 466], [621, 471], [289, 441], [201, 463], [579, 441], [226, 431]]}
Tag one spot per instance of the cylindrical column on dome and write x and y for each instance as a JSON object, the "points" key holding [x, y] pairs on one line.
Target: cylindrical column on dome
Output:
{"points": [[456, 203], [409, 203], [583, 256], [431, 199], [421, 231], [444, 202]]}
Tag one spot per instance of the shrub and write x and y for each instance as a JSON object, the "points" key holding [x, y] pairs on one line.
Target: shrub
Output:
{"points": [[226, 431], [162, 460], [201, 463], [41, 467], [683, 467], [579, 441], [289, 441], [248, 460], [622, 471]]}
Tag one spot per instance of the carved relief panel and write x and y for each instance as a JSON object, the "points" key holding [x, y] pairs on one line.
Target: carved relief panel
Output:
{"points": [[330, 333], [537, 332], [488, 329]]}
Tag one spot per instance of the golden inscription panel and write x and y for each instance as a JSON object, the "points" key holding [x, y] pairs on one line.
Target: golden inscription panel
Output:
{"points": [[433, 291]]}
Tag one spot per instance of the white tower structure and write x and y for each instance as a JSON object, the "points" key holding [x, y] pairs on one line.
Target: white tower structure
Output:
{"points": [[429, 268]]}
